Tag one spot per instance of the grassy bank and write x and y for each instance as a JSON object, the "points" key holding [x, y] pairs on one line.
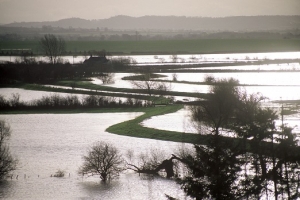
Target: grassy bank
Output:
{"points": [[133, 128], [170, 46]]}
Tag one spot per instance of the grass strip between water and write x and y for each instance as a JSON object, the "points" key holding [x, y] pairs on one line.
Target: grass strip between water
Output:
{"points": [[133, 128]]}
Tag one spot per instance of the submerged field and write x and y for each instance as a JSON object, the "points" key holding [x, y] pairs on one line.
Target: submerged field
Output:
{"points": [[61, 137], [168, 46]]}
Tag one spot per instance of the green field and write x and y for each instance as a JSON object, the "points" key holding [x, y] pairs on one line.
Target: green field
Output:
{"points": [[170, 46]]}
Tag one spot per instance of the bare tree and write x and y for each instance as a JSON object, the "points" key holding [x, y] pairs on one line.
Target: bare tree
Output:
{"points": [[107, 78], [153, 163], [53, 47], [7, 162], [102, 159], [174, 58], [151, 86]]}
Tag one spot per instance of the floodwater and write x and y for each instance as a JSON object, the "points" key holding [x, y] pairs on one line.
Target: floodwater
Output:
{"points": [[180, 122], [286, 83], [44, 143], [273, 85]]}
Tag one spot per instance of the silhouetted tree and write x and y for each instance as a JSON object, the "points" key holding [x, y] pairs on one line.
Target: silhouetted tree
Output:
{"points": [[102, 159], [255, 125], [219, 108], [107, 78], [53, 47], [7, 162], [213, 170], [261, 161], [287, 166]]}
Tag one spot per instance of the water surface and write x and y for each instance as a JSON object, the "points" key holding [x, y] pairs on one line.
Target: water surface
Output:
{"points": [[45, 143]]}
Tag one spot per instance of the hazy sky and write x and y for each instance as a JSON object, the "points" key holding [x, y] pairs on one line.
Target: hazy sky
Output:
{"points": [[51, 10]]}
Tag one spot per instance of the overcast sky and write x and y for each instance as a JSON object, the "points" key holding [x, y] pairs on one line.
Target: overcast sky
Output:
{"points": [[51, 10]]}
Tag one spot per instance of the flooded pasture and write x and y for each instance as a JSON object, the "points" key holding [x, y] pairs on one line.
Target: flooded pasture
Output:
{"points": [[44, 143]]}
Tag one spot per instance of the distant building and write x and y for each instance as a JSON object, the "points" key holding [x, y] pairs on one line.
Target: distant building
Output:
{"points": [[94, 60]]}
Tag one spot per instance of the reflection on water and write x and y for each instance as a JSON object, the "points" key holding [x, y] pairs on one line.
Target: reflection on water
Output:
{"points": [[45, 143]]}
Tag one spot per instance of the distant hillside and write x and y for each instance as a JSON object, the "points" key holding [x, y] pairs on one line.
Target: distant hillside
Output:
{"points": [[243, 23]]}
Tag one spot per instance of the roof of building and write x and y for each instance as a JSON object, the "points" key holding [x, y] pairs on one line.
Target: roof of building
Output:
{"points": [[96, 60]]}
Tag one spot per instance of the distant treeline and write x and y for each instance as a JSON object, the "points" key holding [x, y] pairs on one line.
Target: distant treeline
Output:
{"points": [[31, 71], [56, 101]]}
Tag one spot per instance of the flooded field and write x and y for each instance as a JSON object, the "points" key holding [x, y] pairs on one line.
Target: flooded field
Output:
{"points": [[58, 141], [45, 143]]}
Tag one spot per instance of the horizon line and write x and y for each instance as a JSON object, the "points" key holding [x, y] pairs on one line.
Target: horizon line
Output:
{"points": [[229, 16]]}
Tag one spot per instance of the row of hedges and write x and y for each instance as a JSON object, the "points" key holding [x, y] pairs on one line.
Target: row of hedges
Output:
{"points": [[70, 102]]}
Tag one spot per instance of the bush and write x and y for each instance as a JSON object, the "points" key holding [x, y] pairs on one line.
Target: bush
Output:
{"points": [[59, 173]]}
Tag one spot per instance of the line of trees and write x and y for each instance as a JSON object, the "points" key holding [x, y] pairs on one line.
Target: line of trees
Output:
{"points": [[40, 72], [36, 73], [56, 101]]}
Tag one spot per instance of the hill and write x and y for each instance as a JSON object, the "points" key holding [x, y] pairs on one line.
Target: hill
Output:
{"points": [[239, 23]]}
